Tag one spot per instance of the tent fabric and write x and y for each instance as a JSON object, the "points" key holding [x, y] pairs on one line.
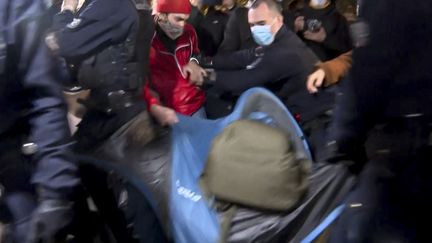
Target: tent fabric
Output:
{"points": [[167, 173], [329, 184], [193, 220]]}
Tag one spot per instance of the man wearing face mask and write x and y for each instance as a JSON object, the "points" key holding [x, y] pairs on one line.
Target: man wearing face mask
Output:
{"points": [[281, 64], [173, 65], [272, 65], [323, 29]]}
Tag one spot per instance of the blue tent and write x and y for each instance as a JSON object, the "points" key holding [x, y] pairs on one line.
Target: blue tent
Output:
{"points": [[193, 220], [168, 180]]}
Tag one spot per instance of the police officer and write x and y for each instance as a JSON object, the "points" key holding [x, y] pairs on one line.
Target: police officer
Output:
{"points": [[37, 172], [385, 108], [98, 39], [106, 44]]}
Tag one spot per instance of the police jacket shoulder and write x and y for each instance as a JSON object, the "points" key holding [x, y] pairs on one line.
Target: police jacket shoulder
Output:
{"points": [[99, 24]]}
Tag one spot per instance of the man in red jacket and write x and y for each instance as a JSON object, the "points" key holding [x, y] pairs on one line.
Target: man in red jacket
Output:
{"points": [[172, 65]]}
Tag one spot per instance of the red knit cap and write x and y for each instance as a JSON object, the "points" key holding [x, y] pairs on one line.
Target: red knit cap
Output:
{"points": [[173, 6]]}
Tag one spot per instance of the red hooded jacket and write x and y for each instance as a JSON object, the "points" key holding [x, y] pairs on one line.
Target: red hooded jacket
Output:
{"points": [[167, 85]]}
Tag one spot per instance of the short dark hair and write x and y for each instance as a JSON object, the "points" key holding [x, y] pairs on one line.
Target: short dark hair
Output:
{"points": [[271, 4]]}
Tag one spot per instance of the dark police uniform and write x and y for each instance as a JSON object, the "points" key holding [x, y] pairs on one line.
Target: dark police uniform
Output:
{"points": [[385, 107], [35, 144], [106, 44], [99, 43]]}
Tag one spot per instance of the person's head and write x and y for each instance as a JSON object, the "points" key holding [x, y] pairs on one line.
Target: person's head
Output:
{"points": [[195, 3], [172, 16], [293, 5], [319, 4], [228, 3], [265, 19]]}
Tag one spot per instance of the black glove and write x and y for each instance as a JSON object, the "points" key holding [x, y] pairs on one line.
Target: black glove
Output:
{"points": [[49, 221]]}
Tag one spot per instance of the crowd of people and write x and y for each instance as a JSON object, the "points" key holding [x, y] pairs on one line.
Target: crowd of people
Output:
{"points": [[137, 65]]}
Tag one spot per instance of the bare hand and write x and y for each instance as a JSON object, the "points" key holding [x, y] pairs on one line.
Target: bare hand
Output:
{"points": [[195, 72], [194, 2], [52, 42], [70, 5], [299, 23], [315, 80], [80, 4], [319, 36], [164, 115]]}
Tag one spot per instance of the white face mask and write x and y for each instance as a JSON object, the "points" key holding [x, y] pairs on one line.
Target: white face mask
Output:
{"points": [[262, 34], [318, 2]]}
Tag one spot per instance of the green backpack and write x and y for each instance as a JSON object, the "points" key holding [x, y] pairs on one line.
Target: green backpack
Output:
{"points": [[255, 165]]}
